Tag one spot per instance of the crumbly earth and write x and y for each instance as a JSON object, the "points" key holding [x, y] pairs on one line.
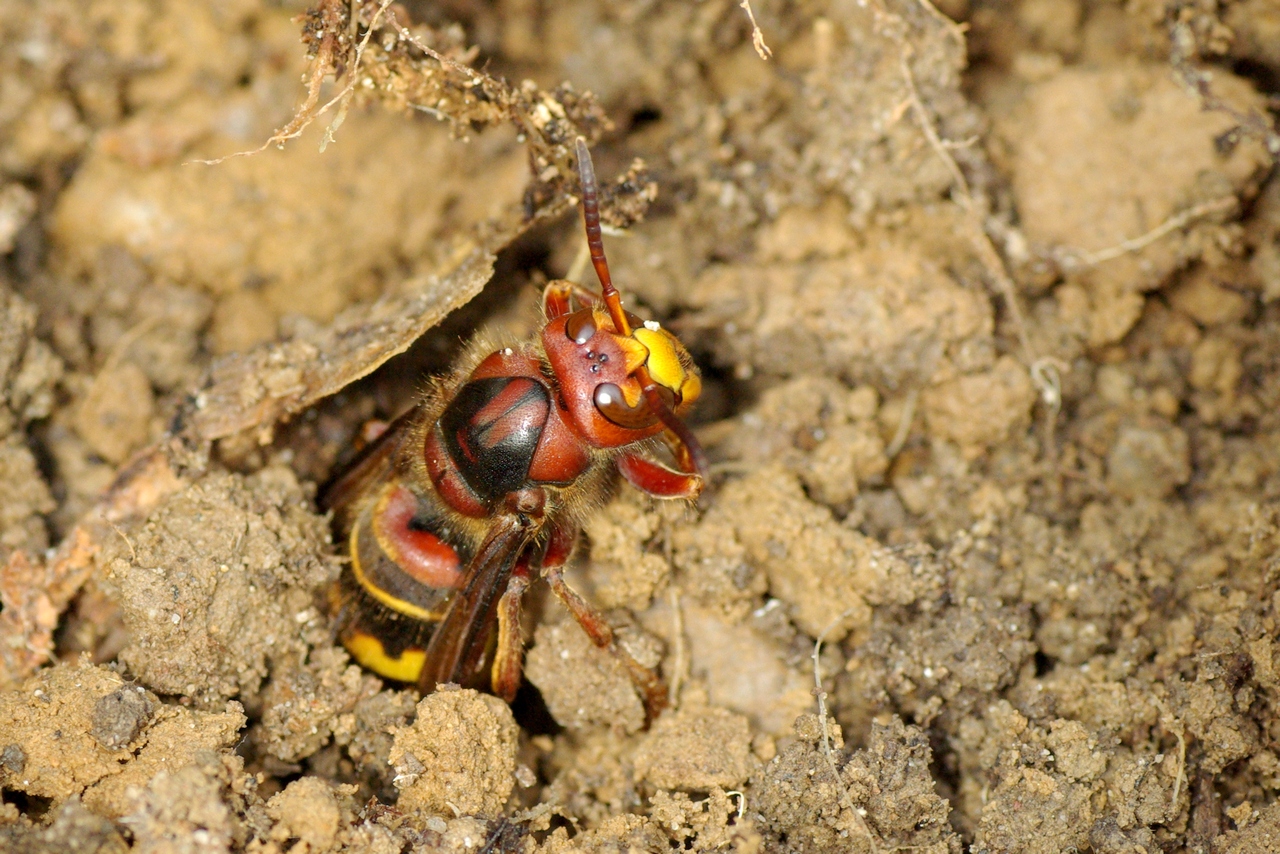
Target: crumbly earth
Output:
{"points": [[459, 756], [986, 297]]}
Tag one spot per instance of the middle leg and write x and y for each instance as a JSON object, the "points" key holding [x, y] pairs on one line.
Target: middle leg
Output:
{"points": [[508, 657], [653, 692]]}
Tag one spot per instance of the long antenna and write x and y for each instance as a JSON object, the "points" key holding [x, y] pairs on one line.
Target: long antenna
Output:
{"points": [[591, 217], [613, 301]]}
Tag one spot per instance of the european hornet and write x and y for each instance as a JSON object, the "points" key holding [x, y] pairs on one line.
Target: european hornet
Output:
{"points": [[451, 512]]}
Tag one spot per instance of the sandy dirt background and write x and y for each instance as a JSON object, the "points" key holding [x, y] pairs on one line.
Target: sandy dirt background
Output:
{"points": [[987, 301]]}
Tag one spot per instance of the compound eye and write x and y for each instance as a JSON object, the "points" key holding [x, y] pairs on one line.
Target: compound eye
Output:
{"points": [[580, 326], [613, 406]]}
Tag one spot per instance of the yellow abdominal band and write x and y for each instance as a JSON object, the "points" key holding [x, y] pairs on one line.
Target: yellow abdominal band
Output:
{"points": [[369, 652]]}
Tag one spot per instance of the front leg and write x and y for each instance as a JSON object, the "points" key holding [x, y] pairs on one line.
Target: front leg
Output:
{"points": [[652, 690], [557, 298], [657, 480]]}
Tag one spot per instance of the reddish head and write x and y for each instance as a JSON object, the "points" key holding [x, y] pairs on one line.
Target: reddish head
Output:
{"points": [[622, 379], [600, 375]]}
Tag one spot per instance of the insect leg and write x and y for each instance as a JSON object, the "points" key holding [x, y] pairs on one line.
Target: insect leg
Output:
{"points": [[557, 298], [652, 690], [508, 658], [656, 479]]}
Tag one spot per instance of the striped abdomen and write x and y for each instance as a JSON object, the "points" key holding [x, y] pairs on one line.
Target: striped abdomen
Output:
{"points": [[405, 568]]}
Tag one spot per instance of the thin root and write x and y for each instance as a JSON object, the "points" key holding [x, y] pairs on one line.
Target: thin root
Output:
{"points": [[845, 799], [1181, 777], [1048, 386], [132, 552], [1173, 223], [757, 37], [322, 66], [905, 420]]}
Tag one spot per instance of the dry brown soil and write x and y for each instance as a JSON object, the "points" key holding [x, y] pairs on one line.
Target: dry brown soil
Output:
{"points": [[989, 321]]}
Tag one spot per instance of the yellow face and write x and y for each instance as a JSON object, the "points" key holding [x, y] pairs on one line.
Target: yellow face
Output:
{"points": [[669, 363]]}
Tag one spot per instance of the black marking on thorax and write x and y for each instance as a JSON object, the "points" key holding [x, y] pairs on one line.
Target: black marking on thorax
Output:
{"points": [[492, 428]]}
